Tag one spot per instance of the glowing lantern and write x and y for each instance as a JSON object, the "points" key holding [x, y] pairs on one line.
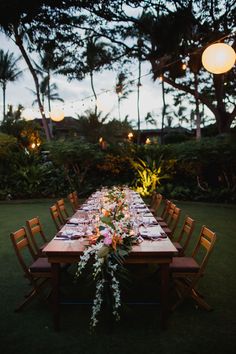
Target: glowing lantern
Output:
{"points": [[218, 58], [148, 141], [130, 135], [57, 115]]}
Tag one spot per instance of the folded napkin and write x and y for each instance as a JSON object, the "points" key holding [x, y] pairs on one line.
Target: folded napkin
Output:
{"points": [[65, 235], [88, 208], [149, 220], [152, 232], [73, 221]]}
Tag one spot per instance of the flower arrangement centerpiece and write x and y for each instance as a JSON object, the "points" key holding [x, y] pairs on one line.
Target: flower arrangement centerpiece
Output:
{"points": [[111, 241]]}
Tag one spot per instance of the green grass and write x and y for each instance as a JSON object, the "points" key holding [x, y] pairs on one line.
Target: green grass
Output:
{"points": [[190, 330]]}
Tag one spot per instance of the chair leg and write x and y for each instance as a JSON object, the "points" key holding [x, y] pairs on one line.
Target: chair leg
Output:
{"points": [[30, 296], [200, 301]]}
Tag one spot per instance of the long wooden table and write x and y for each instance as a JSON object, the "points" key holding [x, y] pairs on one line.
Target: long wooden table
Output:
{"points": [[156, 252]]}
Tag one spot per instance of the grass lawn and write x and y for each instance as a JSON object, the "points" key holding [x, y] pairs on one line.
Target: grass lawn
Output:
{"points": [[190, 330]]}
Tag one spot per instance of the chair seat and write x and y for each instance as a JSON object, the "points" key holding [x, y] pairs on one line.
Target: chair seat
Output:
{"points": [[179, 248], [184, 264], [40, 265], [159, 219], [167, 231], [162, 223]]}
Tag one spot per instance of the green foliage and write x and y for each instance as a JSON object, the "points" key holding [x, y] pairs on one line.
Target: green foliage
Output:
{"points": [[77, 158], [149, 173]]}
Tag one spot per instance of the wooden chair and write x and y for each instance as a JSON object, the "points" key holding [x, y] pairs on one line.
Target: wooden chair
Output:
{"points": [[74, 201], [56, 217], [35, 230], [38, 272], [172, 220], [187, 271], [164, 215], [151, 205], [156, 203], [62, 210], [184, 236]]}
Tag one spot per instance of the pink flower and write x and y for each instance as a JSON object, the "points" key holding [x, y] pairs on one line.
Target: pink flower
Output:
{"points": [[108, 241]]}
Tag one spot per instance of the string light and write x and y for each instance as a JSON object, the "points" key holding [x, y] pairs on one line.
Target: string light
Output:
{"points": [[132, 81]]}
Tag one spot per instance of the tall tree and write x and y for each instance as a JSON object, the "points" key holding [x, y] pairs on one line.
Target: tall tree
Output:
{"points": [[9, 72], [45, 67], [31, 25], [182, 30], [122, 89], [96, 55], [47, 91]]}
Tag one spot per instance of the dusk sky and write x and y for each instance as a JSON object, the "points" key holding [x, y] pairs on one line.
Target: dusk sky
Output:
{"points": [[75, 92]]}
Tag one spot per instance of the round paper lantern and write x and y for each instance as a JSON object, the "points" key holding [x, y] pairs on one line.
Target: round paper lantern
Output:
{"points": [[218, 58], [57, 115]]}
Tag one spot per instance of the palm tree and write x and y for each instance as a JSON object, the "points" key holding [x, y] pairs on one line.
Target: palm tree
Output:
{"points": [[9, 72], [149, 119], [96, 55], [48, 91], [122, 89], [44, 69]]}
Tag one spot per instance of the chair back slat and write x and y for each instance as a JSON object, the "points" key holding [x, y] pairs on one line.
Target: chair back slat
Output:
{"points": [[56, 217], [205, 242], [186, 232], [62, 210], [76, 199], [157, 199], [35, 231], [21, 242]]}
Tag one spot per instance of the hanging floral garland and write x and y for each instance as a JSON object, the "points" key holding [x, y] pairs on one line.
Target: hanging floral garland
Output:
{"points": [[111, 242]]}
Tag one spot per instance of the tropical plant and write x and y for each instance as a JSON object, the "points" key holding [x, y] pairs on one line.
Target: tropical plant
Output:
{"points": [[96, 56], [28, 133], [149, 119], [48, 91], [45, 68], [9, 72], [122, 89], [149, 174]]}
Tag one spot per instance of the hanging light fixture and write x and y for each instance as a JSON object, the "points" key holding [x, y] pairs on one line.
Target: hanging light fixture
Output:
{"points": [[57, 115], [218, 58]]}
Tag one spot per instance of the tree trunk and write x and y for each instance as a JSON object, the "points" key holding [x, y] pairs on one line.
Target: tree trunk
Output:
{"points": [[223, 118], [198, 118], [94, 93], [19, 43], [119, 106], [49, 104], [163, 111], [4, 100], [138, 99]]}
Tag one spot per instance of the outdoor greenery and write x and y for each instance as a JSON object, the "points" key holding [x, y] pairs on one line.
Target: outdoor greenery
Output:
{"points": [[203, 170], [189, 331], [41, 162]]}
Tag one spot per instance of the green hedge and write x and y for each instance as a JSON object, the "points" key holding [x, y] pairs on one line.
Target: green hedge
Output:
{"points": [[204, 170]]}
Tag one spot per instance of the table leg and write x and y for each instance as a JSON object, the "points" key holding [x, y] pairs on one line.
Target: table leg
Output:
{"points": [[56, 295], [164, 294]]}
